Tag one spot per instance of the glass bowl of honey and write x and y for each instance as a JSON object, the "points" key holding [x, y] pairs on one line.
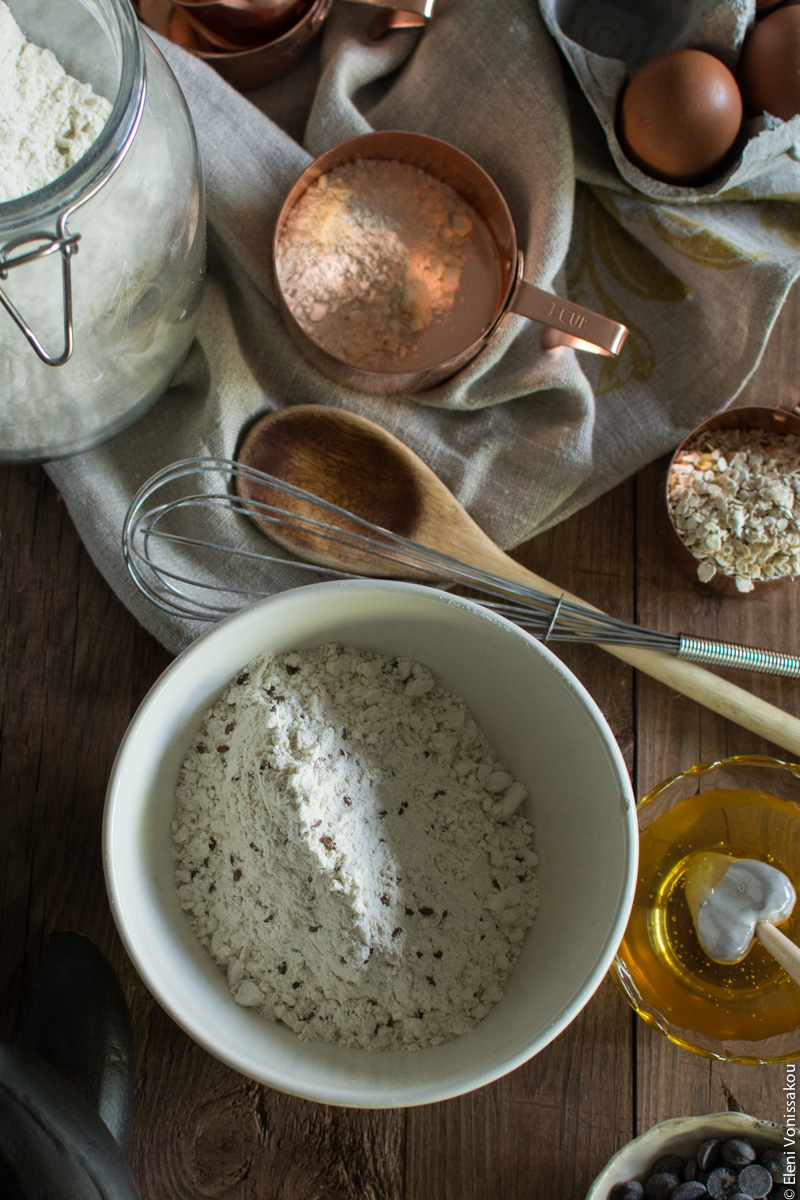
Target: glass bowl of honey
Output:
{"points": [[747, 807]]}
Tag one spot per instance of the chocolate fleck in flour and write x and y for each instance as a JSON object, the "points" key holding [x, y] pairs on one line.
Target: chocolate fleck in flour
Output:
{"points": [[350, 851]]}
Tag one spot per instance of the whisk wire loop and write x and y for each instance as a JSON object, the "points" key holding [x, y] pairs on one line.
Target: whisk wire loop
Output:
{"points": [[159, 557]]}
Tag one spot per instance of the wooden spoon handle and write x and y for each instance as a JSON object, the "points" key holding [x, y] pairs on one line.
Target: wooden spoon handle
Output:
{"points": [[717, 694], [706, 688], [782, 949]]}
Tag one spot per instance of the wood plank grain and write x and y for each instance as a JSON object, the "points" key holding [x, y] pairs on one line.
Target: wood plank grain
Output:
{"points": [[205, 1131], [673, 733], [73, 667], [544, 1130]]}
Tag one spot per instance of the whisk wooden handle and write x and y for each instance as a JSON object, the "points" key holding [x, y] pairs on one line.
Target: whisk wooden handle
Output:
{"points": [[706, 688], [717, 694]]}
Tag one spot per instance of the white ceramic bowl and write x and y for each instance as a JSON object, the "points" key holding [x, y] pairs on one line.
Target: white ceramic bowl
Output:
{"points": [[544, 726], [681, 1135]]}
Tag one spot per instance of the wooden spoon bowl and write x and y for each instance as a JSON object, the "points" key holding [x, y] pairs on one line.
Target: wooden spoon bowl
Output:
{"points": [[321, 453]]}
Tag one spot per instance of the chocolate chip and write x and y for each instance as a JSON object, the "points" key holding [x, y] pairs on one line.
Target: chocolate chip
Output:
{"points": [[661, 1185], [669, 1162], [631, 1189], [721, 1182], [776, 1162], [691, 1190], [737, 1152], [708, 1153], [754, 1180]]}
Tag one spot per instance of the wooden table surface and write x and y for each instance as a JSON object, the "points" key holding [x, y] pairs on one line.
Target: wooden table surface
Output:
{"points": [[74, 666]]}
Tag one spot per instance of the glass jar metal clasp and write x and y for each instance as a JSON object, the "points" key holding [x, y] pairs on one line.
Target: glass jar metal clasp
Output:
{"points": [[40, 245]]}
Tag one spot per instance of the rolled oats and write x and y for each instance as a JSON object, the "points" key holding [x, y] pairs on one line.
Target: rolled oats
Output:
{"points": [[733, 499]]}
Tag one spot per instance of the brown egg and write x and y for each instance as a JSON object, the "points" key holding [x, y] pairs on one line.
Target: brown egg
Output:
{"points": [[769, 66], [680, 115]]}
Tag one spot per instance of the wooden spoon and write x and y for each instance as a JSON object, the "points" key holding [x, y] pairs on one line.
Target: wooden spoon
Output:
{"points": [[357, 465]]}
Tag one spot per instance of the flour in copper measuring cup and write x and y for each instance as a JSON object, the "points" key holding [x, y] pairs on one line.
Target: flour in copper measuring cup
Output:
{"points": [[371, 257], [351, 852]]}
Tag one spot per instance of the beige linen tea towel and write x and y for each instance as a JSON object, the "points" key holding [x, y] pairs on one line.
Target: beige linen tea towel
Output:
{"points": [[522, 436]]}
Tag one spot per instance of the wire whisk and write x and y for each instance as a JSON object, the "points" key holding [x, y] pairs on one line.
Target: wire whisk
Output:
{"points": [[195, 552]]}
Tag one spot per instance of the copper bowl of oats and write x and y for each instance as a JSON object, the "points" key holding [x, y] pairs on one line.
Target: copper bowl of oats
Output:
{"points": [[733, 501]]}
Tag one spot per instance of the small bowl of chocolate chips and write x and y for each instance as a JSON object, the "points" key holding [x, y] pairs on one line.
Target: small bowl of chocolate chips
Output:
{"points": [[714, 1157], [733, 501]]}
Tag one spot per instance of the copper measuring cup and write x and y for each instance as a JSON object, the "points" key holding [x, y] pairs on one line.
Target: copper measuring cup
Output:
{"points": [[245, 67], [251, 45], [242, 22], [492, 286]]}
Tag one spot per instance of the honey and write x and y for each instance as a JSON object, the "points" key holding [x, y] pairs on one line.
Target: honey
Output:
{"points": [[698, 1002]]}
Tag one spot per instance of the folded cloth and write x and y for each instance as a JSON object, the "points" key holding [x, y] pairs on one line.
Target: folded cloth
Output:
{"points": [[524, 437]]}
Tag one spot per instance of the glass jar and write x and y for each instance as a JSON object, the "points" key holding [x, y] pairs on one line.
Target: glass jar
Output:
{"points": [[101, 270]]}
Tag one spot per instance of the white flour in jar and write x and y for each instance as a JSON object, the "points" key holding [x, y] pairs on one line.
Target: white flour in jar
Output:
{"points": [[48, 120], [350, 851], [135, 280], [371, 255]]}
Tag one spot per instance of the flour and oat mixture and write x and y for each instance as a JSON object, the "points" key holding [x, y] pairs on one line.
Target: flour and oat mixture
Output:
{"points": [[48, 120], [350, 851], [371, 256]]}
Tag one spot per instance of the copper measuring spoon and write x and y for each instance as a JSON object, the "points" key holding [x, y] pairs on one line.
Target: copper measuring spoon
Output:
{"points": [[354, 463]]}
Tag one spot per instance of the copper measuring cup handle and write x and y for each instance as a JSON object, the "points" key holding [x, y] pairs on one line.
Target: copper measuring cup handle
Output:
{"points": [[420, 8], [567, 324], [398, 14]]}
